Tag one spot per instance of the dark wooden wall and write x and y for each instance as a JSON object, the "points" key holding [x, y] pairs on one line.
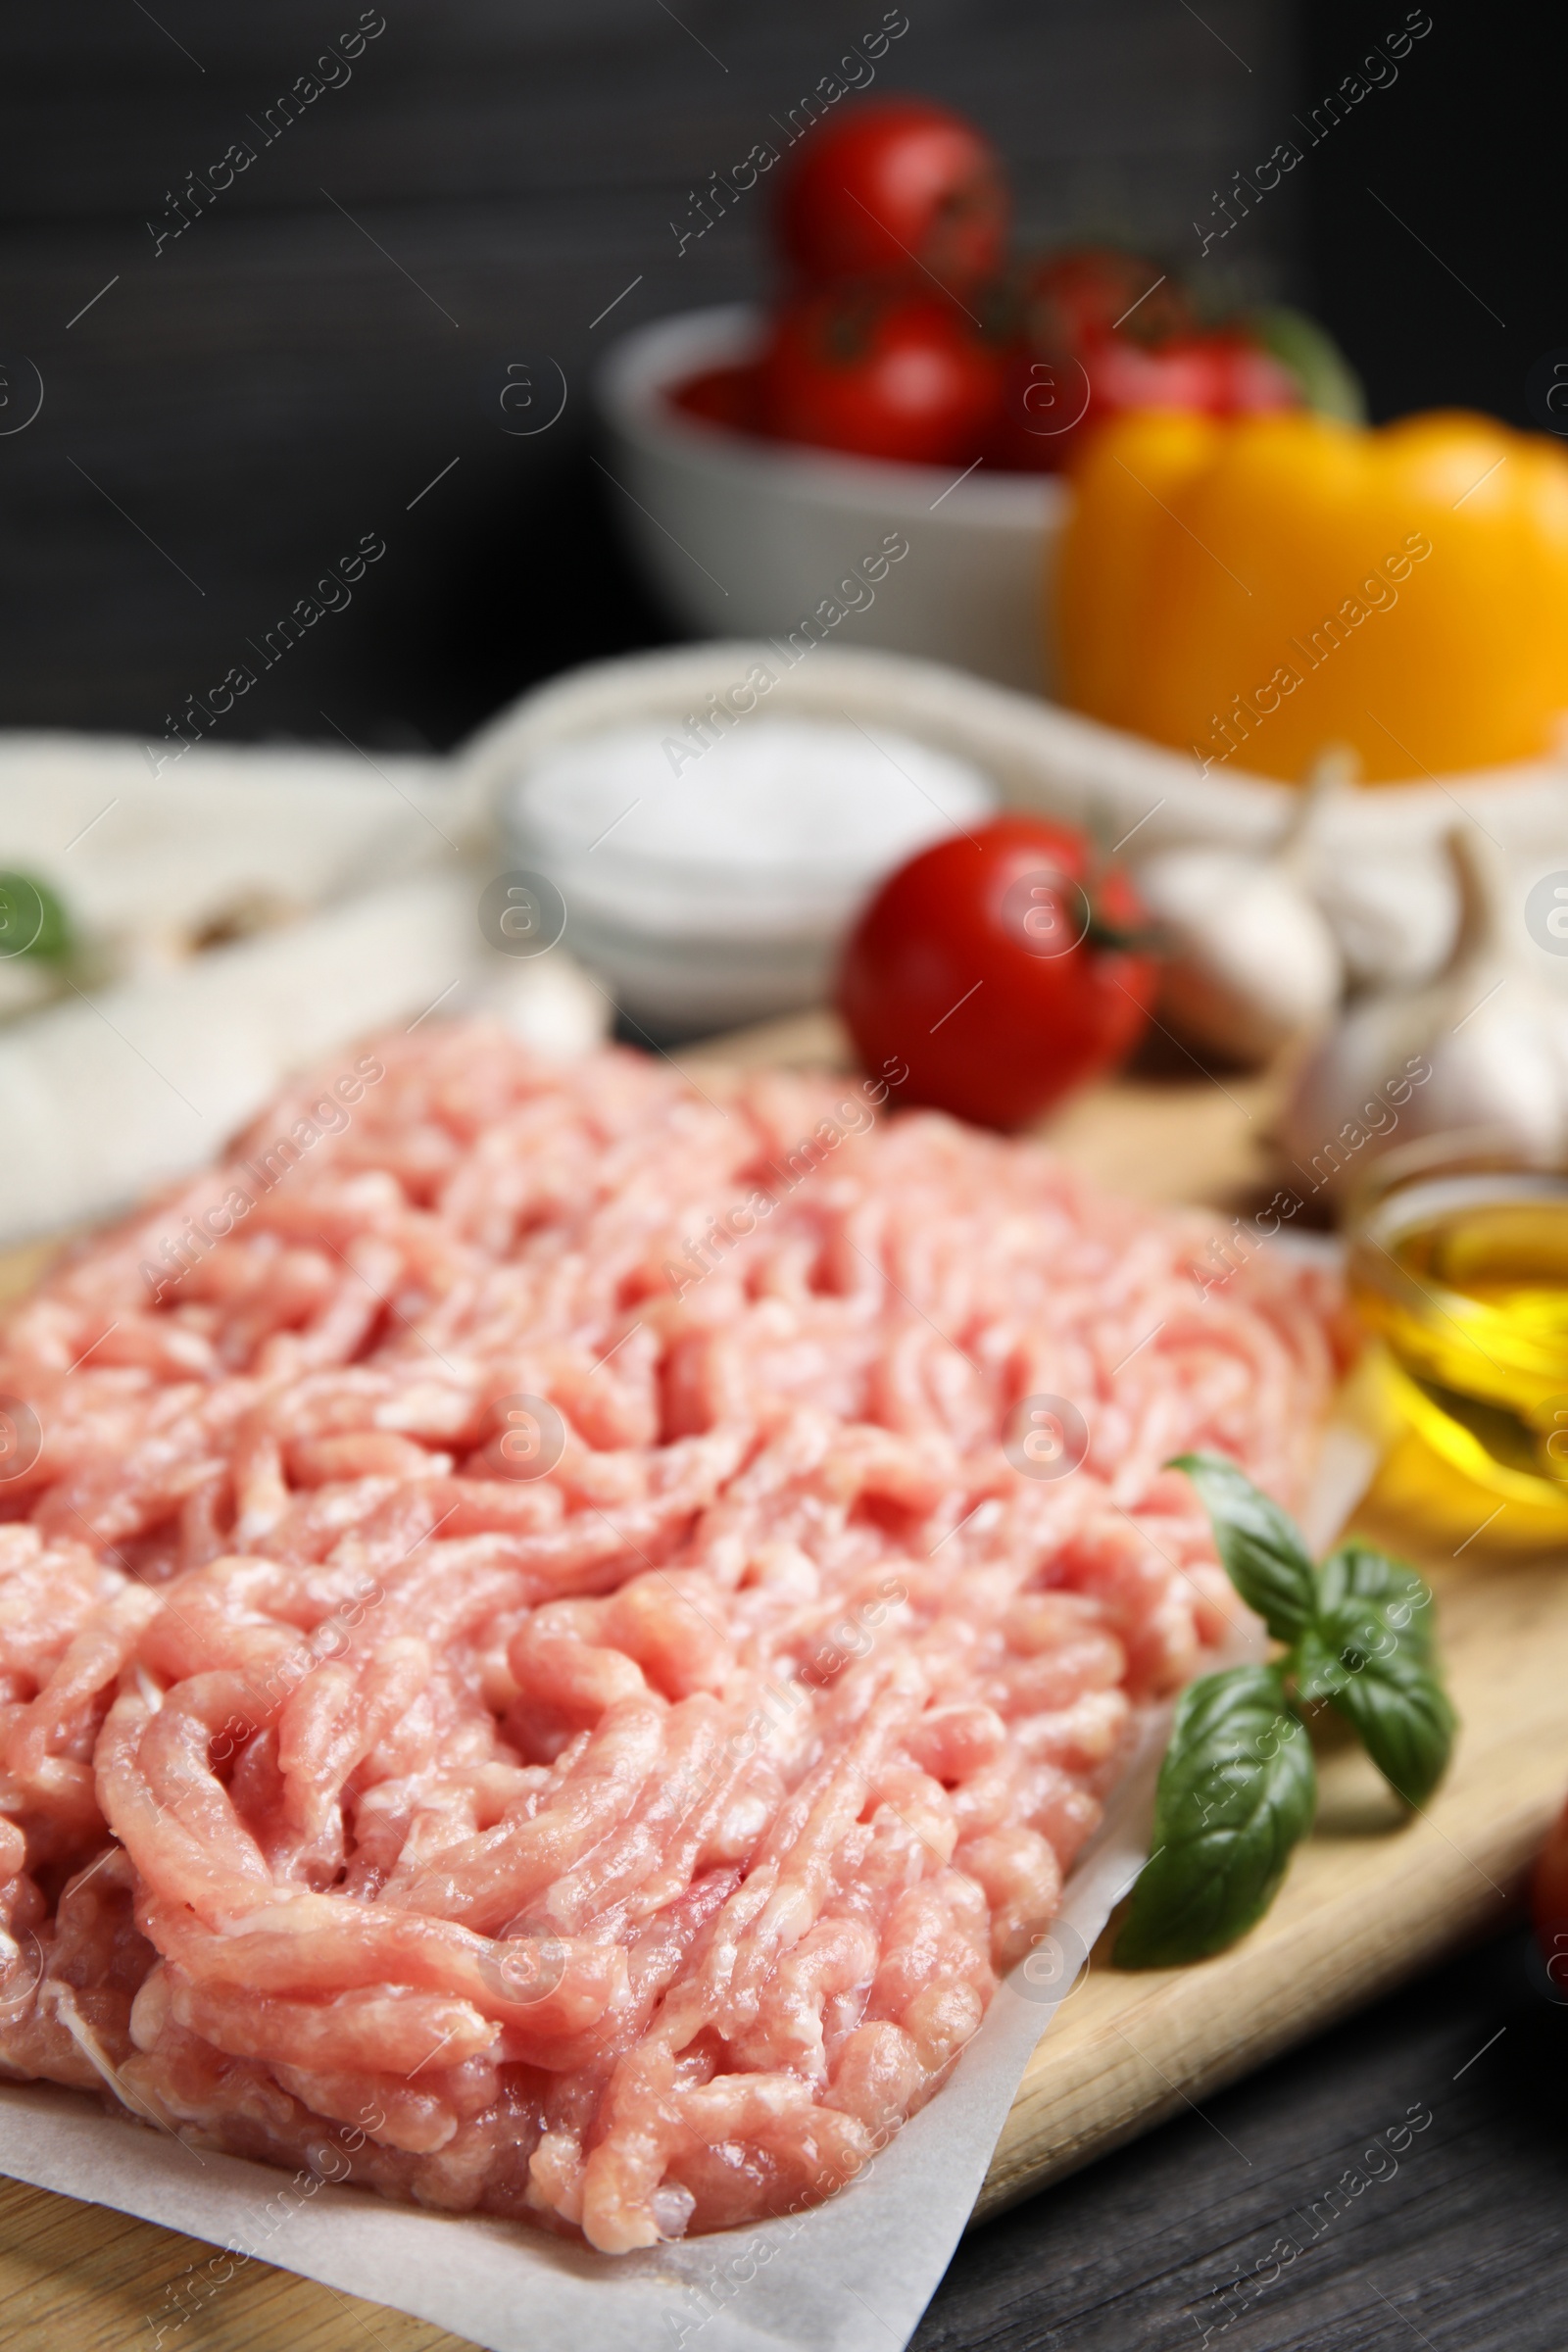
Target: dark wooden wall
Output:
{"points": [[1434, 226], [240, 405]]}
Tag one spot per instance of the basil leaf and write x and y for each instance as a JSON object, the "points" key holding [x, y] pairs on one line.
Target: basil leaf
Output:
{"points": [[1399, 1713], [1263, 1557], [1363, 1594], [1320, 1669], [1373, 1613], [1236, 1789]]}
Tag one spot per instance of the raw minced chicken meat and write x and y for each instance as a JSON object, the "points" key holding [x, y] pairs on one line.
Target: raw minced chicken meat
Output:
{"points": [[533, 1650]]}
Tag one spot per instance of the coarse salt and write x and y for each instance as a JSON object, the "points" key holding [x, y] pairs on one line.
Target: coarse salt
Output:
{"points": [[716, 888]]}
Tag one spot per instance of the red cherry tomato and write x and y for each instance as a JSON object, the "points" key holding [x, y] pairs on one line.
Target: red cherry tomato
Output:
{"points": [[1549, 1903], [1103, 331], [984, 967], [1088, 290], [903, 376], [890, 187], [1050, 405]]}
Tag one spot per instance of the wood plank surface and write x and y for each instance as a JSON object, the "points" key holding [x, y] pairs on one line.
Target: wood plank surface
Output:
{"points": [[1369, 1898]]}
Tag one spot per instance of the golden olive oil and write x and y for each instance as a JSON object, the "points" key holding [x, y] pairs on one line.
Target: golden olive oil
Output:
{"points": [[1463, 1275]]}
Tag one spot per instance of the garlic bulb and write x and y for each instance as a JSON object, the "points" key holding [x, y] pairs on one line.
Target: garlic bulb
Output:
{"points": [[1252, 962], [1392, 906], [1481, 1046]]}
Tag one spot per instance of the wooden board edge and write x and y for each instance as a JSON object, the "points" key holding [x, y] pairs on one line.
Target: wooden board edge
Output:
{"points": [[1459, 1906]]}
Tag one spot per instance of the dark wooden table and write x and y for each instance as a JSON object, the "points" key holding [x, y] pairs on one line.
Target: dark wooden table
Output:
{"points": [[1463, 2248]]}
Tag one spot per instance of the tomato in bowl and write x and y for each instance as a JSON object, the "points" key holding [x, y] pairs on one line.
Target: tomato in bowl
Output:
{"points": [[903, 379], [892, 187]]}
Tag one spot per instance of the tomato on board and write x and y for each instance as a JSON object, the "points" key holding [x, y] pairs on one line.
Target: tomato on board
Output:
{"points": [[890, 188], [996, 966], [896, 375], [1549, 1903]]}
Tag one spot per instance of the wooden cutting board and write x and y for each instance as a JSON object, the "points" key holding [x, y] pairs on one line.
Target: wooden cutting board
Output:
{"points": [[1369, 1898]]}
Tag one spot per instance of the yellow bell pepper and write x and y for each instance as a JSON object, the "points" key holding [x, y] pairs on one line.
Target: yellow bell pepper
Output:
{"points": [[1262, 589]]}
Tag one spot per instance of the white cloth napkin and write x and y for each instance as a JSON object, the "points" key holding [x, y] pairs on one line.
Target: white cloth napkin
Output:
{"points": [[346, 890]]}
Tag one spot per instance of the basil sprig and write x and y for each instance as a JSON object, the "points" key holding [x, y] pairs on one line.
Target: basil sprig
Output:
{"points": [[1239, 1787]]}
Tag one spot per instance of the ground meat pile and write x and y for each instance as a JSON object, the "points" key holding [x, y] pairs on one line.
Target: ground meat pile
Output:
{"points": [[548, 1638]]}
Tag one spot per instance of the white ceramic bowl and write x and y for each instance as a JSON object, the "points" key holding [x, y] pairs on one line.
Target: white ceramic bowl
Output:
{"points": [[741, 537]]}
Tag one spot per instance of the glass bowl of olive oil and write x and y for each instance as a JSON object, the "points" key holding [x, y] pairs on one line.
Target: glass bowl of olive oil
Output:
{"points": [[1457, 1267]]}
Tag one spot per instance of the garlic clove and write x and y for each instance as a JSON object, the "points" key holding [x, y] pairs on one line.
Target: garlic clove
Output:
{"points": [[547, 1000], [1501, 1069], [1251, 961], [1391, 904]]}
